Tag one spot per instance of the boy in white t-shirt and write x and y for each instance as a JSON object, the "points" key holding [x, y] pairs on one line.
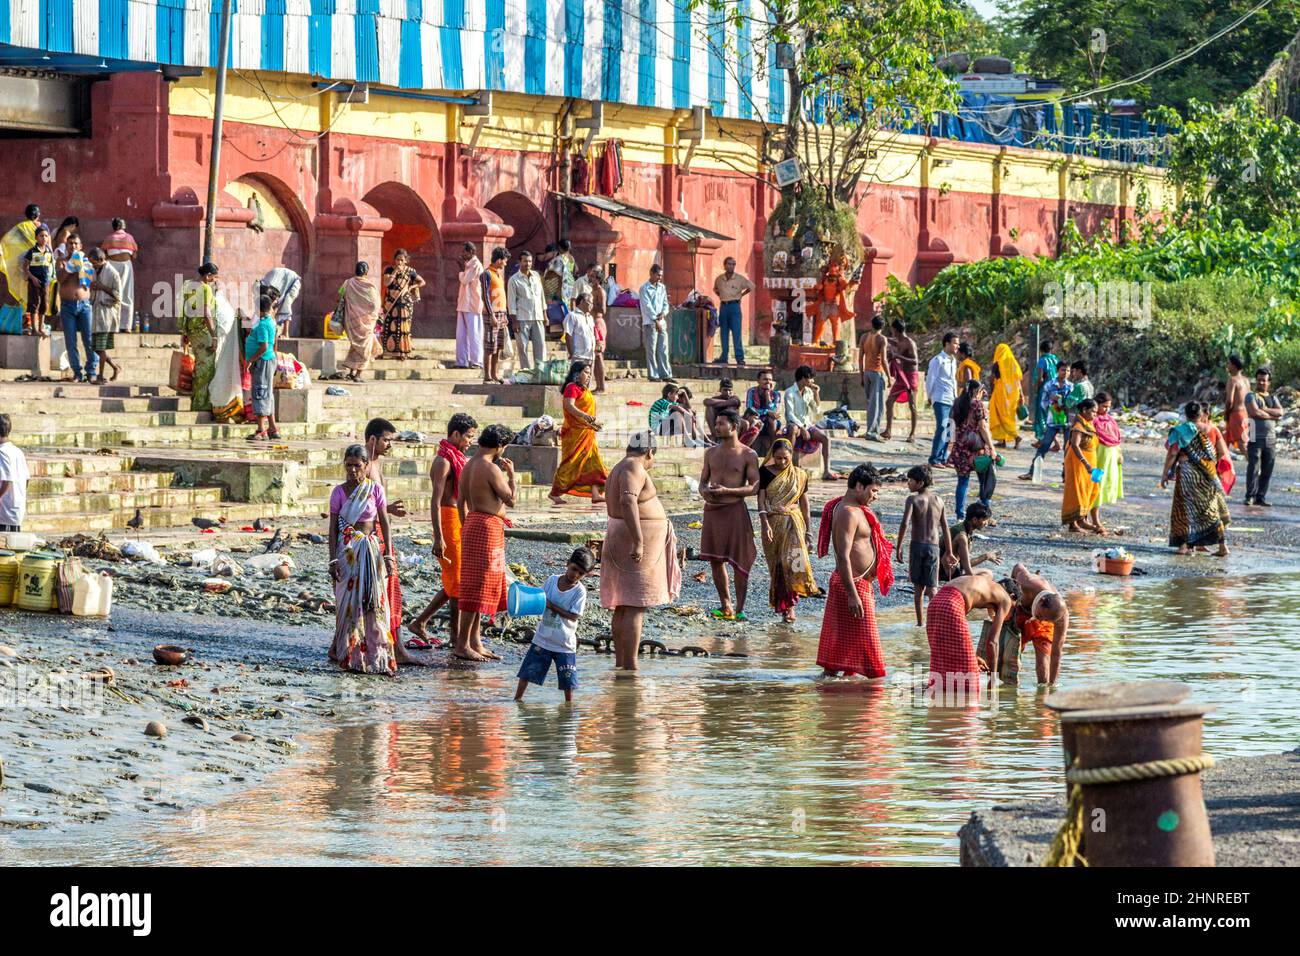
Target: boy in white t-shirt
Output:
{"points": [[580, 330], [13, 480], [556, 638]]}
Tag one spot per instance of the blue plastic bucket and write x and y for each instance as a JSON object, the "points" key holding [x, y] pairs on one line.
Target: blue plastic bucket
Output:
{"points": [[1097, 475], [523, 601]]}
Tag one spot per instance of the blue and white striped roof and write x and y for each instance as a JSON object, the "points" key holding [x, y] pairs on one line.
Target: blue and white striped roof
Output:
{"points": [[639, 52]]}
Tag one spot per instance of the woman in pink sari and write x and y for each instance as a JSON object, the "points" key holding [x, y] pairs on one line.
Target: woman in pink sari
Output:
{"points": [[363, 639], [359, 300]]}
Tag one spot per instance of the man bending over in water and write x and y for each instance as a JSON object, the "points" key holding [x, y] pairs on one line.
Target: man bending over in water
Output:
{"points": [[953, 663], [1042, 618]]}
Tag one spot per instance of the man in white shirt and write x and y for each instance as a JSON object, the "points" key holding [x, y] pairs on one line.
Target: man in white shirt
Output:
{"points": [[941, 392], [801, 402], [654, 325], [13, 480], [526, 301], [287, 284], [469, 311], [580, 330]]}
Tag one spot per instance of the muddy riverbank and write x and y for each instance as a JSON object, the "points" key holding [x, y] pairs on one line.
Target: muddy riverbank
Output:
{"points": [[75, 754]]}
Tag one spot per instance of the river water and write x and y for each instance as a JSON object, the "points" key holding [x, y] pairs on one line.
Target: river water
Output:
{"points": [[729, 760]]}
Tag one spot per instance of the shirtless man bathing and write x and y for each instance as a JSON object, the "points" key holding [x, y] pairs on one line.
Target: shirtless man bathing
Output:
{"points": [[638, 561], [850, 639], [1042, 619], [953, 663], [487, 489], [730, 475]]}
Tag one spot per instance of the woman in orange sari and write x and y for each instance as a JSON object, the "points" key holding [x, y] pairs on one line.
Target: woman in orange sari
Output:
{"points": [[581, 472], [1079, 504]]}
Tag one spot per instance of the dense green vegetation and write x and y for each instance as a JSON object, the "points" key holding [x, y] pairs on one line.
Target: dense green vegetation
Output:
{"points": [[1052, 39]]}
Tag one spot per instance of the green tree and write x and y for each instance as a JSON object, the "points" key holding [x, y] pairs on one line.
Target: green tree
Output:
{"points": [[862, 70], [1240, 161], [1142, 34]]}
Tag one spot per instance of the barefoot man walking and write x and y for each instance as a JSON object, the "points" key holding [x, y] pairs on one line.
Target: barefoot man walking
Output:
{"points": [[850, 640], [487, 489], [730, 475], [444, 474], [638, 561]]}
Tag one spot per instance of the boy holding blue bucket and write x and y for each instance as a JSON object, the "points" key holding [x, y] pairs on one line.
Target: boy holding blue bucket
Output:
{"points": [[556, 638]]}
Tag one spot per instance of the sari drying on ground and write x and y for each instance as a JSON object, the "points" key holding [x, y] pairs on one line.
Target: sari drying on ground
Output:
{"points": [[849, 644], [225, 391], [361, 309], [199, 299], [790, 573], [1081, 492], [1199, 515], [363, 639], [581, 466], [1005, 398]]}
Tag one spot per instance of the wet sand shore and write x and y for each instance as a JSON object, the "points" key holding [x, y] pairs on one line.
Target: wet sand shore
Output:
{"points": [[258, 668]]}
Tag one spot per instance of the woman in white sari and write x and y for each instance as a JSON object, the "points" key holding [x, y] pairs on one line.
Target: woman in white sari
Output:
{"points": [[226, 389], [363, 639]]}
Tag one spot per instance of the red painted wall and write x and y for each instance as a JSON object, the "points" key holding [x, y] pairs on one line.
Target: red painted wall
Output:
{"points": [[359, 197]]}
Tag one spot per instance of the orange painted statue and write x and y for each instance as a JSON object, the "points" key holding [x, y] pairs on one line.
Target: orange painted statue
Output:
{"points": [[833, 299]]}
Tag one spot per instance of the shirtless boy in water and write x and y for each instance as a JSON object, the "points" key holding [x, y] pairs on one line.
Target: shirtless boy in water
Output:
{"points": [[931, 541]]}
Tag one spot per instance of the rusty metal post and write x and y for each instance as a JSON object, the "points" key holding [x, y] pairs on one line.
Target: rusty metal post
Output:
{"points": [[1146, 693], [1157, 821]]}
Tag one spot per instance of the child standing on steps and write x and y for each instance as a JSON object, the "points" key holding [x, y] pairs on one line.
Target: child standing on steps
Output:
{"points": [[259, 350], [931, 540], [556, 638]]}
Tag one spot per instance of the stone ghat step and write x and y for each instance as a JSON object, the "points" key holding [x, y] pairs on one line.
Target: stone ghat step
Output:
{"points": [[92, 405], [17, 391], [124, 503], [109, 482], [58, 419], [50, 464], [114, 522]]}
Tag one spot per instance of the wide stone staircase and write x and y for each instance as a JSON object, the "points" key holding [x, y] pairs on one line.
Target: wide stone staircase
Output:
{"points": [[99, 453]]}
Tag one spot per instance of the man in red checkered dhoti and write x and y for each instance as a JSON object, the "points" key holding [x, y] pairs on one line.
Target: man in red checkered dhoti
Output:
{"points": [[850, 640], [951, 650], [487, 488]]}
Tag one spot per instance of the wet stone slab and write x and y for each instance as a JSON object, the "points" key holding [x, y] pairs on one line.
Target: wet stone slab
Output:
{"points": [[1253, 802]]}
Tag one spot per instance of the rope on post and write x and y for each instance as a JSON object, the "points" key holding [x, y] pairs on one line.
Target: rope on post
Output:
{"points": [[1065, 845]]}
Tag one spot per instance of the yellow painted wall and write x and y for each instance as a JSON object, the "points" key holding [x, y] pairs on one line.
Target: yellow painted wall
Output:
{"points": [[531, 123]]}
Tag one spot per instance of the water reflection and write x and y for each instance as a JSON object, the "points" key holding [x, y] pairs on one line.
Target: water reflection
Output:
{"points": [[735, 760]]}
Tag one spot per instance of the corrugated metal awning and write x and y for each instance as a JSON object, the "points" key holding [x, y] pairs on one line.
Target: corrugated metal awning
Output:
{"points": [[682, 230]]}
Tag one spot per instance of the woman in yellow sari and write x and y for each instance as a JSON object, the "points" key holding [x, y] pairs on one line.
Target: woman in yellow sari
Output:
{"points": [[1079, 504], [581, 472], [1007, 396], [783, 511]]}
